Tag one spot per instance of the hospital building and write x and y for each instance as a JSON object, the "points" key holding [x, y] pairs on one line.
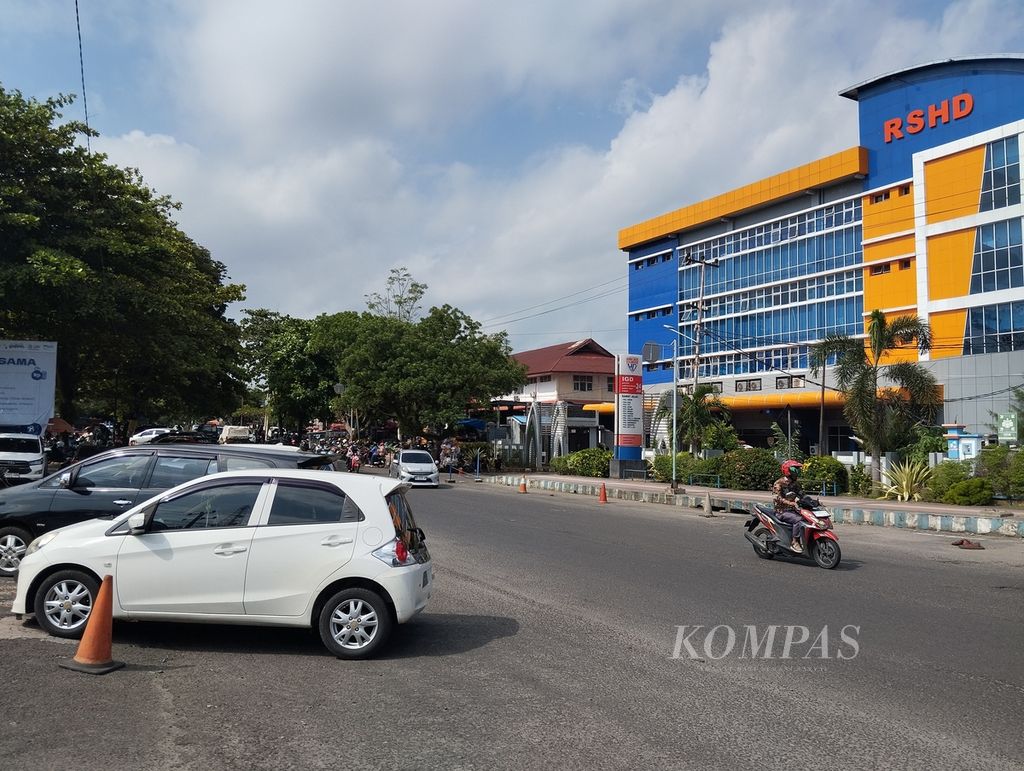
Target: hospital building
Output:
{"points": [[922, 217]]}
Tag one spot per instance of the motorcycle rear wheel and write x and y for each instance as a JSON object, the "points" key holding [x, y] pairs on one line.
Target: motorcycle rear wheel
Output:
{"points": [[827, 553], [761, 534]]}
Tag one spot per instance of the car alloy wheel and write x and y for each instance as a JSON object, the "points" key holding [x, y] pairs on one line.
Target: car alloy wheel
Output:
{"points": [[354, 623], [13, 542], [64, 602]]}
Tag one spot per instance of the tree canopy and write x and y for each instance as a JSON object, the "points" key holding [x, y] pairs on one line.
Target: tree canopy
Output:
{"points": [[884, 401], [90, 257], [423, 373]]}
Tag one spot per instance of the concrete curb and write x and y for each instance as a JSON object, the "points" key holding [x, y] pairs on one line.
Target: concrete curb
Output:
{"points": [[850, 515]]}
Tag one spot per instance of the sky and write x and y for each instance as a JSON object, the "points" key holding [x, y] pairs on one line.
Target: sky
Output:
{"points": [[494, 150]]}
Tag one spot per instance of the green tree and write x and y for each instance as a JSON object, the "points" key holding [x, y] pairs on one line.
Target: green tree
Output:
{"points": [[786, 447], [284, 360], [883, 401], [695, 413], [423, 374], [90, 257], [401, 297]]}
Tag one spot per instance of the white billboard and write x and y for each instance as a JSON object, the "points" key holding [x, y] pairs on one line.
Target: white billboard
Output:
{"points": [[28, 369]]}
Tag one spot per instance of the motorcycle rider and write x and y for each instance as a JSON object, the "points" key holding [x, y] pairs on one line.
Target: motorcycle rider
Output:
{"points": [[785, 493]]}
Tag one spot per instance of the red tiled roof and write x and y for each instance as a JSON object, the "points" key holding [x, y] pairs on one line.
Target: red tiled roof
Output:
{"points": [[582, 356]]}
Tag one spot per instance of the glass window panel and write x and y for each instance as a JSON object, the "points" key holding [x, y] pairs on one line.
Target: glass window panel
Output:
{"points": [[1002, 234], [225, 506]]}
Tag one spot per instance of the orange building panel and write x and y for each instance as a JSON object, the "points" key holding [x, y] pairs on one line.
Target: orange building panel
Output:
{"points": [[950, 259], [895, 288], [900, 246], [947, 333], [953, 185], [835, 168], [889, 215]]}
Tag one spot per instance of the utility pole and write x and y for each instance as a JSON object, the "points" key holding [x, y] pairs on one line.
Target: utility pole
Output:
{"points": [[698, 333], [821, 416]]}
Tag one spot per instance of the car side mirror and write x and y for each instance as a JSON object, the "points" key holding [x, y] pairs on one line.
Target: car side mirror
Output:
{"points": [[65, 481], [137, 523]]}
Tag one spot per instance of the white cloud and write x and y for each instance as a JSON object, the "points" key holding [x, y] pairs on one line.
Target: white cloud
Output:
{"points": [[313, 189]]}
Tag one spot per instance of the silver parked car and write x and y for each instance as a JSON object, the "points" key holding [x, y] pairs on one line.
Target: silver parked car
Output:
{"points": [[415, 467]]}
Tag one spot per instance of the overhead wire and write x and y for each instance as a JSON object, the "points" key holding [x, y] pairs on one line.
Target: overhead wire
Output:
{"points": [[81, 68]]}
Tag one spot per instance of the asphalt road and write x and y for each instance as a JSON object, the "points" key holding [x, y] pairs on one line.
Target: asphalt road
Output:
{"points": [[553, 640]]}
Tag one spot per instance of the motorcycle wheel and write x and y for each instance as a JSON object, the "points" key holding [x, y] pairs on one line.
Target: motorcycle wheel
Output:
{"points": [[827, 553], [762, 551]]}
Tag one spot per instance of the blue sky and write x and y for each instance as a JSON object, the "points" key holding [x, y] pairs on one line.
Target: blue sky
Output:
{"points": [[494, 150]]}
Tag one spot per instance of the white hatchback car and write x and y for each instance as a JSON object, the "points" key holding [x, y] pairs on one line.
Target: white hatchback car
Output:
{"points": [[281, 547], [416, 467], [147, 436]]}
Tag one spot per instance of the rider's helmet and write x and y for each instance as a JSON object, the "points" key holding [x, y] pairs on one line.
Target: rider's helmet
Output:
{"points": [[791, 468]]}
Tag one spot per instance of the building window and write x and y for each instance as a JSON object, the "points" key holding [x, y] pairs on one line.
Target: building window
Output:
{"points": [[611, 383], [840, 439], [1000, 184], [748, 385], [878, 270], [905, 190], [998, 257], [994, 328], [544, 379], [879, 197], [789, 382], [582, 382], [904, 264]]}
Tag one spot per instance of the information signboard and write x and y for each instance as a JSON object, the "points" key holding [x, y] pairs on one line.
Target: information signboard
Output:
{"points": [[27, 373]]}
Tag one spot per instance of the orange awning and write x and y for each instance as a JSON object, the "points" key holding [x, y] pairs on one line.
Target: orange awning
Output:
{"points": [[600, 407], [782, 400]]}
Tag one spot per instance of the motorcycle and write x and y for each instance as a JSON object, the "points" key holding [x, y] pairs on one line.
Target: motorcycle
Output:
{"points": [[770, 536]]}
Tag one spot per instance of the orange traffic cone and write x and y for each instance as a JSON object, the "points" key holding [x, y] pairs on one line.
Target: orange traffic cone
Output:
{"points": [[94, 651], [522, 485], [603, 497]]}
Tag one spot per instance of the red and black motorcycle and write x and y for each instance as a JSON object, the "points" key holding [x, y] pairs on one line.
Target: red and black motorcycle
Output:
{"points": [[770, 536]]}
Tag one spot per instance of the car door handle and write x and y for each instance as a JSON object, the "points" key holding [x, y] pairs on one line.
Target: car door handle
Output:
{"points": [[335, 541], [229, 549], [121, 502]]}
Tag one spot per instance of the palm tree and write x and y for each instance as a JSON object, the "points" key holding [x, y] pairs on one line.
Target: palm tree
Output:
{"points": [[883, 401], [695, 412]]}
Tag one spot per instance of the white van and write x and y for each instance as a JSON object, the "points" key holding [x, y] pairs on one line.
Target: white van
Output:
{"points": [[22, 458], [234, 435]]}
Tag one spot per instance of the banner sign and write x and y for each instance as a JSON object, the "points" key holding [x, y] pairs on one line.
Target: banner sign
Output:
{"points": [[27, 375], [629, 407], [1006, 426]]}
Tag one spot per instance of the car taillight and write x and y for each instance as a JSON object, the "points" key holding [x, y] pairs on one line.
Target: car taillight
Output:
{"points": [[394, 553]]}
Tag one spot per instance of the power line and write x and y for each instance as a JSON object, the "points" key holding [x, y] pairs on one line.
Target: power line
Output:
{"points": [[549, 302], [81, 67]]}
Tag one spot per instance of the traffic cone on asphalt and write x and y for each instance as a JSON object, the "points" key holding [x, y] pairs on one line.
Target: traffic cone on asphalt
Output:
{"points": [[522, 485], [94, 651], [603, 497]]}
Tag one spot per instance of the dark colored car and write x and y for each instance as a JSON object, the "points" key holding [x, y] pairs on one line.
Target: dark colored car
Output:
{"points": [[109, 483]]}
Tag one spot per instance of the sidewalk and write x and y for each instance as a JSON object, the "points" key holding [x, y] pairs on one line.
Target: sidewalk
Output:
{"points": [[910, 515]]}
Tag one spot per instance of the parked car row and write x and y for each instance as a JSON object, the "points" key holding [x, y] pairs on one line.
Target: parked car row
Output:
{"points": [[228, 533], [338, 553]]}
